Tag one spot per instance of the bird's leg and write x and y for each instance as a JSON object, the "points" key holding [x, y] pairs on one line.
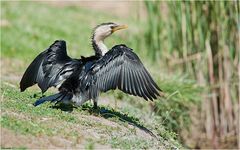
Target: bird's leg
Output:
{"points": [[42, 95], [95, 104], [95, 109]]}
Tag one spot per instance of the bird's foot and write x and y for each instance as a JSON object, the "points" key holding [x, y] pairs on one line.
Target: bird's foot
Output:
{"points": [[95, 106], [95, 111]]}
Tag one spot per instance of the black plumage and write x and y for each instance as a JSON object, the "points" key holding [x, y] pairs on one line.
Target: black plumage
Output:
{"points": [[79, 80], [121, 68], [49, 68]]}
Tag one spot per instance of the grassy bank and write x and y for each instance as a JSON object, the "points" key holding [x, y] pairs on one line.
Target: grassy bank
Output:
{"points": [[79, 127]]}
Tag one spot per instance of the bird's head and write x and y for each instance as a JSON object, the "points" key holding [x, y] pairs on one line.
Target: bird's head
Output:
{"points": [[104, 30]]}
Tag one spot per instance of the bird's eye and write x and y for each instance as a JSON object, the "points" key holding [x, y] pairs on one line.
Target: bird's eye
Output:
{"points": [[111, 27]]}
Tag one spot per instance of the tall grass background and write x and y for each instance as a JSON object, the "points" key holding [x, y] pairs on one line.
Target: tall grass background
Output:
{"points": [[201, 39]]}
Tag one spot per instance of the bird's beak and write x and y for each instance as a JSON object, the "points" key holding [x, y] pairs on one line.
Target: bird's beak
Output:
{"points": [[119, 27]]}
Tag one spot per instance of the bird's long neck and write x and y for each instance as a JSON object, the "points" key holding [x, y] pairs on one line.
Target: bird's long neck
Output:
{"points": [[99, 47]]}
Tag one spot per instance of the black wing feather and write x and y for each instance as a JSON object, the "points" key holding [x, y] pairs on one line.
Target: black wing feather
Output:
{"points": [[121, 68], [49, 68]]}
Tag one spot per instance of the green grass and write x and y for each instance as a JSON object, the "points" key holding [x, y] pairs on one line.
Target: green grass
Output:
{"points": [[19, 115], [28, 34]]}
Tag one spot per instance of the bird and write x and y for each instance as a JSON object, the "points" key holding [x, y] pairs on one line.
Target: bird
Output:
{"points": [[83, 79]]}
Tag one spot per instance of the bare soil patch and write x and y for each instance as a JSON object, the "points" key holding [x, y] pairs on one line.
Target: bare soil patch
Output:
{"points": [[9, 139]]}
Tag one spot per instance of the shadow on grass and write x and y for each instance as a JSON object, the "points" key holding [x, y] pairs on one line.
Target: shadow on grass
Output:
{"points": [[110, 113], [64, 107], [107, 113]]}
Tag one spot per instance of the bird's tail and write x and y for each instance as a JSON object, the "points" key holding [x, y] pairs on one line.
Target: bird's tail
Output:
{"points": [[54, 98]]}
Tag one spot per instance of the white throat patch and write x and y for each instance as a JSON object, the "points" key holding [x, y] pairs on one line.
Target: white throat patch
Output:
{"points": [[102, 47]]}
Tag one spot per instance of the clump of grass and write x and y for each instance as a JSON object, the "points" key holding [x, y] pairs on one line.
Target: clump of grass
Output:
{"points": [[180, 95], [89, 145]]}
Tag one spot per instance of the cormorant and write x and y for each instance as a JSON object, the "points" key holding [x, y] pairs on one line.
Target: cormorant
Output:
{"points": [[79, 80]]}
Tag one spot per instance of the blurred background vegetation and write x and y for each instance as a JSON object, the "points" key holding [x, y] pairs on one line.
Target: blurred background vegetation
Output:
{"points": [[191, 48], [201, 39]]}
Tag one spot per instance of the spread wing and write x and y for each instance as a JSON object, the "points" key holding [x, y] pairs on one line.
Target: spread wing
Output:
{"points": [[49, 68], [121, 68]]}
